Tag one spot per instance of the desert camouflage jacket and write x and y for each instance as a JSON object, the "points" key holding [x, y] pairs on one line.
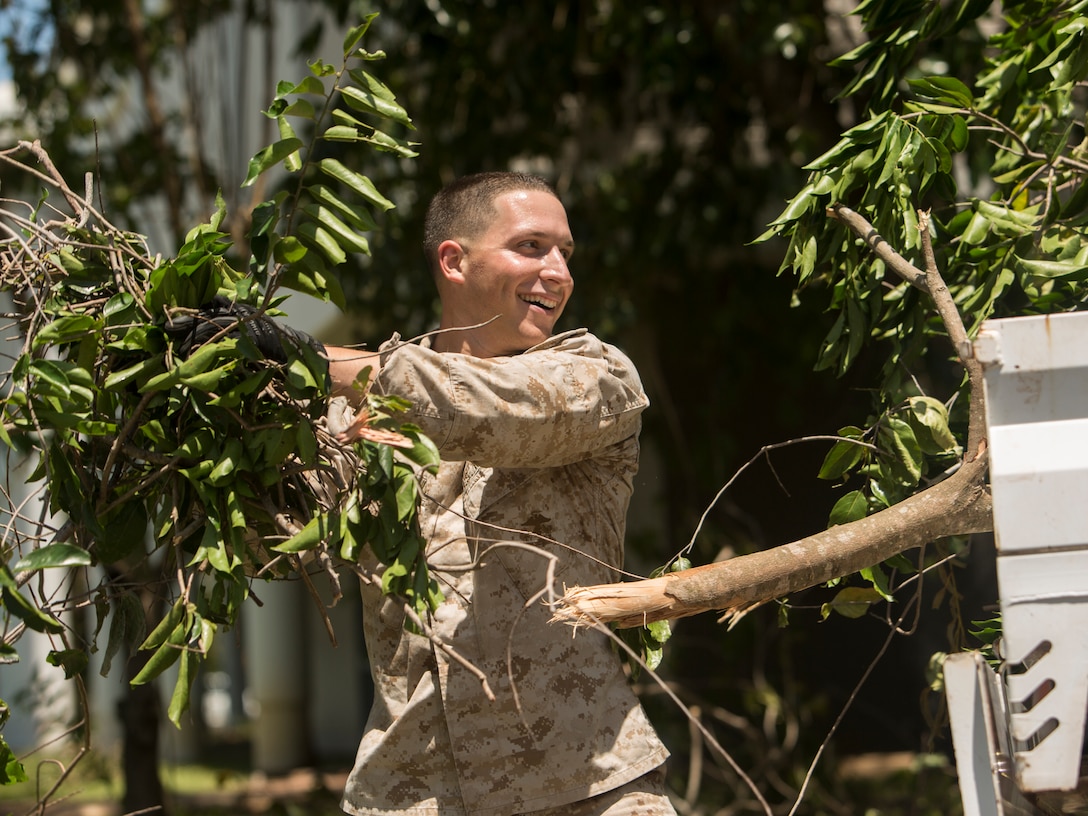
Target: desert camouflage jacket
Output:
{"points": [[539, 452]]}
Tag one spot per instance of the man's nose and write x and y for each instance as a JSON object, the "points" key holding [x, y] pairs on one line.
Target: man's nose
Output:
{"points": [[555, 267]]}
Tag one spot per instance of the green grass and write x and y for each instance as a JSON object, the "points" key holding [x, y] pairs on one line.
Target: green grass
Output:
{"points": [[205, 789]]}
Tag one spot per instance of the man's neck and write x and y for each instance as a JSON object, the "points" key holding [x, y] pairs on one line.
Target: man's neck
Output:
{"points": [[453, 339], [472, 342]]}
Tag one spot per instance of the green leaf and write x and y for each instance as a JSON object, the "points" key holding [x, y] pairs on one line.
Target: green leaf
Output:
{"points": [[660, 631], [355, 34], [389, 144], [900, 562], [1071, 270], [309, 85], [11, 769], [319, 238], [320, 528], [269, 157], [66, 329], [372, 96], [929, 420], [896, 437], [320, 68], [875, 575], [423, 452], [299, 108], [230, 461], [851, 602], [292, 163], [69, 262], [356, 182], [311, 277], [24, 609], [342, 133], [204, 631], [183, 686], [945, 89], [356, 217], [679, 564], [166, 654], [50, 378], [288, 250], [53, 555], [344, 236], [166, 625], [73, 661], [407, 495], [851, 507], [139, 372], [941, 154], [959, 134], [977, 231], [843, 455], [191, 370]]}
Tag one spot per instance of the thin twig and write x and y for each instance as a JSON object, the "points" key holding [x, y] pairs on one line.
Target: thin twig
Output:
{"points": [[761, 453]]}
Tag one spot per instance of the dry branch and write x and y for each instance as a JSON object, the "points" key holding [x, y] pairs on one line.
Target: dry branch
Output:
{"points": [[959, 505]]}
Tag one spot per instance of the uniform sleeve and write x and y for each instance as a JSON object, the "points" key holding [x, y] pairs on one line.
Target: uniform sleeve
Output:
{"points": [[560, 402]]}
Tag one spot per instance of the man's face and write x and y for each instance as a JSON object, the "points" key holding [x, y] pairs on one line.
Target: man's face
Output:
{"points": [[516, 270]]}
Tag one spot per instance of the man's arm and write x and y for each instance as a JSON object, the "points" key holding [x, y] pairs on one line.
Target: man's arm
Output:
{"points": [[345, 366], [553, 405]]}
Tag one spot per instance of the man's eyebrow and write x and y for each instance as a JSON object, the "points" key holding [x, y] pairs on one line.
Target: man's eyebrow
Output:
{"points": [[568, 242]]}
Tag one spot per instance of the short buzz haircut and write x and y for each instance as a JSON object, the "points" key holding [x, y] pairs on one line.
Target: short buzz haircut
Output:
{"points": [[464, 208]]}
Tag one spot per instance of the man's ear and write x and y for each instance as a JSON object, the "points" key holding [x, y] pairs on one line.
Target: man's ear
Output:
{"points": [[451, 261]]}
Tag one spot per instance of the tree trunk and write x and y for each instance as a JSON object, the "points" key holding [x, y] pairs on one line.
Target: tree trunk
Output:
{"points": [[140, 719], [957, 506], [140, 714]]}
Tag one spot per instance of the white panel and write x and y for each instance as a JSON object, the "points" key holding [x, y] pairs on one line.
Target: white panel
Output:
{"points": [[1036, 388]]}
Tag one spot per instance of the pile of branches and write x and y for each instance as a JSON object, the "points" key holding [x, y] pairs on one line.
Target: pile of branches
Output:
{"points": [[196, 469], [173, 459]]}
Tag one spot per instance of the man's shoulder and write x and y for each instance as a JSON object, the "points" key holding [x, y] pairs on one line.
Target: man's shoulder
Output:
{"points": [[579, 341], [583, 343]]}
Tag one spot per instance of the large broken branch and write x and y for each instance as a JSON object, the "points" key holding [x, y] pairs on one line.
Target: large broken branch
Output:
{"points": [[957, 506], [960, 505]]}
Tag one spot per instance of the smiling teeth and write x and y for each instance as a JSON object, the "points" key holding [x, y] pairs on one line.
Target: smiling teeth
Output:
{"points": [[539, 301]]}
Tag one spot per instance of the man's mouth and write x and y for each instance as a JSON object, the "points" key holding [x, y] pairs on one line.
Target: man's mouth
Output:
{"points": [[546, 303]]}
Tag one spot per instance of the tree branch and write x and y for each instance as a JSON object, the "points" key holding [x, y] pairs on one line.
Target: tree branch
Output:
{"points": [[959, 505], [930, 282]]}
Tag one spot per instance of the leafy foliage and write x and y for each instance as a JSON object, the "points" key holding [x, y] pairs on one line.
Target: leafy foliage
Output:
{"points": [[213, 466], [995, 160], [11, 769]]}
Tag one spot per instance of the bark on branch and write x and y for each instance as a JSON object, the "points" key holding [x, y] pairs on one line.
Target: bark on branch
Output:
{"points": [[959, 505]]}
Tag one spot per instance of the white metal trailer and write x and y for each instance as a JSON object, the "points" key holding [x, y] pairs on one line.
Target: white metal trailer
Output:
{"points": [[1018, 730]]}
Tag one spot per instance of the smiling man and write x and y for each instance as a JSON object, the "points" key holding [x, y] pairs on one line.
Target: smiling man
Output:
{"points": [[539, 441], [511, 266]]}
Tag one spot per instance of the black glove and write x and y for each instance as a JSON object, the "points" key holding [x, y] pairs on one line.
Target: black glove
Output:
{"points": [[271, 339]]}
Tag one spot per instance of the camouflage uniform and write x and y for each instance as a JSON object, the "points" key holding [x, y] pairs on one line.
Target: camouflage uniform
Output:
{"points": [[539, 448]]}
